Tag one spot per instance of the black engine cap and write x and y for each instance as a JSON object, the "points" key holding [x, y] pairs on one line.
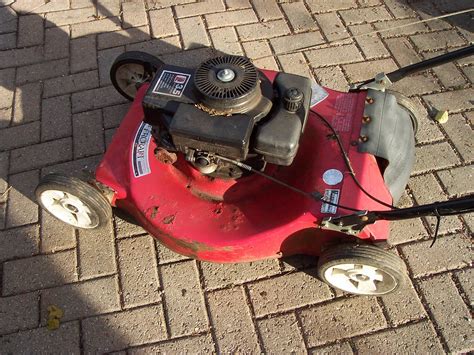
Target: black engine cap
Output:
{"points": [[293, 99]]}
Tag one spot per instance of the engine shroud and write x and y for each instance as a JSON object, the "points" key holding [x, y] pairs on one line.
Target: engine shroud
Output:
{"points": [[226, 107]]}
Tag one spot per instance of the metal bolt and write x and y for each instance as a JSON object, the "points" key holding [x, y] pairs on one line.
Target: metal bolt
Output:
{"points": [[369, 100], [364, 218], [366, 119], [225, 75], [363, 139]]}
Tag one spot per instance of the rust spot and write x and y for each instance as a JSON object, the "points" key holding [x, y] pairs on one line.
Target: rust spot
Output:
{"points": [[164, 156], [206, 197], [169, 219], [197, 247], [218, 210], [154, 211]]}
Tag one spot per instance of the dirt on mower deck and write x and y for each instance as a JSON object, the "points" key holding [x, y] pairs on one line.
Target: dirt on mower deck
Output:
{"points": [[117, 289]]}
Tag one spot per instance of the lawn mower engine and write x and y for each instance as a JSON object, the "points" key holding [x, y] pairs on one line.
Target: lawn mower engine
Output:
{"points": [[227, 108]]}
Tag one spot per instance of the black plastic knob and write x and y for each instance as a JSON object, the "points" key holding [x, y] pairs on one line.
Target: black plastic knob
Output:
{"points": [[293, 99]]}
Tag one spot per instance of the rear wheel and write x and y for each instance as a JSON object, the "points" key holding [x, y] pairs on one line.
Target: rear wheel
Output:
{"points": [[361, 269], [73, 201], [131, 69]]}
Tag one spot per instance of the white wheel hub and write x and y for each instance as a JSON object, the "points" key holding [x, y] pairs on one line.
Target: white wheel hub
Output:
{"points": [[129, 76], [68, 208], [360, 279]]}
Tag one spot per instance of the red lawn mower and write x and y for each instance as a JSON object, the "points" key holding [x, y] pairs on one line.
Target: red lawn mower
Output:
{"points": [[228, 163]]}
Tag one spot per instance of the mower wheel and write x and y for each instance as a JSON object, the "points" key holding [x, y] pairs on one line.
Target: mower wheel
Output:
{"points": [[132, 69], [361, 269], [73, 201], [410, 107]]}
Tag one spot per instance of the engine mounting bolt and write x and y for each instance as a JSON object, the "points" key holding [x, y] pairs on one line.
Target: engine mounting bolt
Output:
{"points": [[366, 119], [363, 139], [369, 100], [364, 218], [225, 75]]}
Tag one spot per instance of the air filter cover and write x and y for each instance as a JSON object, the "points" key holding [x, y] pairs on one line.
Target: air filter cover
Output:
{"points": [[227, 84]]}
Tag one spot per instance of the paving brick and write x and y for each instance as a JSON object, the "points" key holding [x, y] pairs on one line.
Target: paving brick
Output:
{"points": [[134, 14], [30, 31], [469, 72], [88, 133], [80, 300], [448, 73], [458, 181], [56, 118], [77, 4], [299, 17], [332, 77], [231, 18], [369, 14], [293, 42], [69, 17], [419, 336], [39, 272], [93, 246], [267, 10], [400, 8], [55, 235], [157, 47], [287, 292], [263, 30], [119, 38], [225, 40], [121, 330], [331, 26], [371, 45], [438, 40], [18, 243], [166, 255], [8, 20], [403, 305], [95, 98], [338, 348], [231, 321], [42, 340], [321, 324], [138, 275], [193, 32], [108, 8], [448, 253], [237, 4], [182, 294], [56, 43], [466, 280], [162, 23], [417, 85], [108, 135], [74, 167], [40, 6], [18, 313], [362, 71], [113, 115], [449, 312], [7, 87], [452, 100], [295, 64], [386, 28], [39, 155], [406, 231], [221, 275], [5, 116], [7, 41], [21, 56], [83, 54], [434, 156], [41, 71], [105, 59], [19, 136], [199, 8], [27, 103], [326, 6], [280, 334], [99, 26], [196, 344], [4, 162], [21, 206], [332, 56]]}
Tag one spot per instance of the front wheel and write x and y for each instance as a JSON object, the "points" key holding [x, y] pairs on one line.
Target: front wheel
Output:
{"points": [[132, 69], [361, 269], [73, 201]]}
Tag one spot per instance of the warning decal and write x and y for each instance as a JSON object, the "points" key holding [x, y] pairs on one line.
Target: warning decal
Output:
{"points": [[330, 195], [140, 163], [171, 83]]}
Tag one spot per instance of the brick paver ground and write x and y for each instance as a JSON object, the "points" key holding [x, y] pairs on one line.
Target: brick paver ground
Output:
{"points": [[119, 289]]}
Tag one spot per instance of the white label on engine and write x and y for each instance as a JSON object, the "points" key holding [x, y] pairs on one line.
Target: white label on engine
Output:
{"points": [[171, 83], [330, 195], [140, 163], [318, 94]]}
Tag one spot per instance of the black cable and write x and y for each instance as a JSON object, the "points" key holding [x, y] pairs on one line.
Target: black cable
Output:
{"points": [[314, 196], [348, 164]]}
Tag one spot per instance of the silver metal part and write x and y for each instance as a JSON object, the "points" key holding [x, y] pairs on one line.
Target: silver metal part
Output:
{"points": [[350, 227], [380, 83], [225, 75]]}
